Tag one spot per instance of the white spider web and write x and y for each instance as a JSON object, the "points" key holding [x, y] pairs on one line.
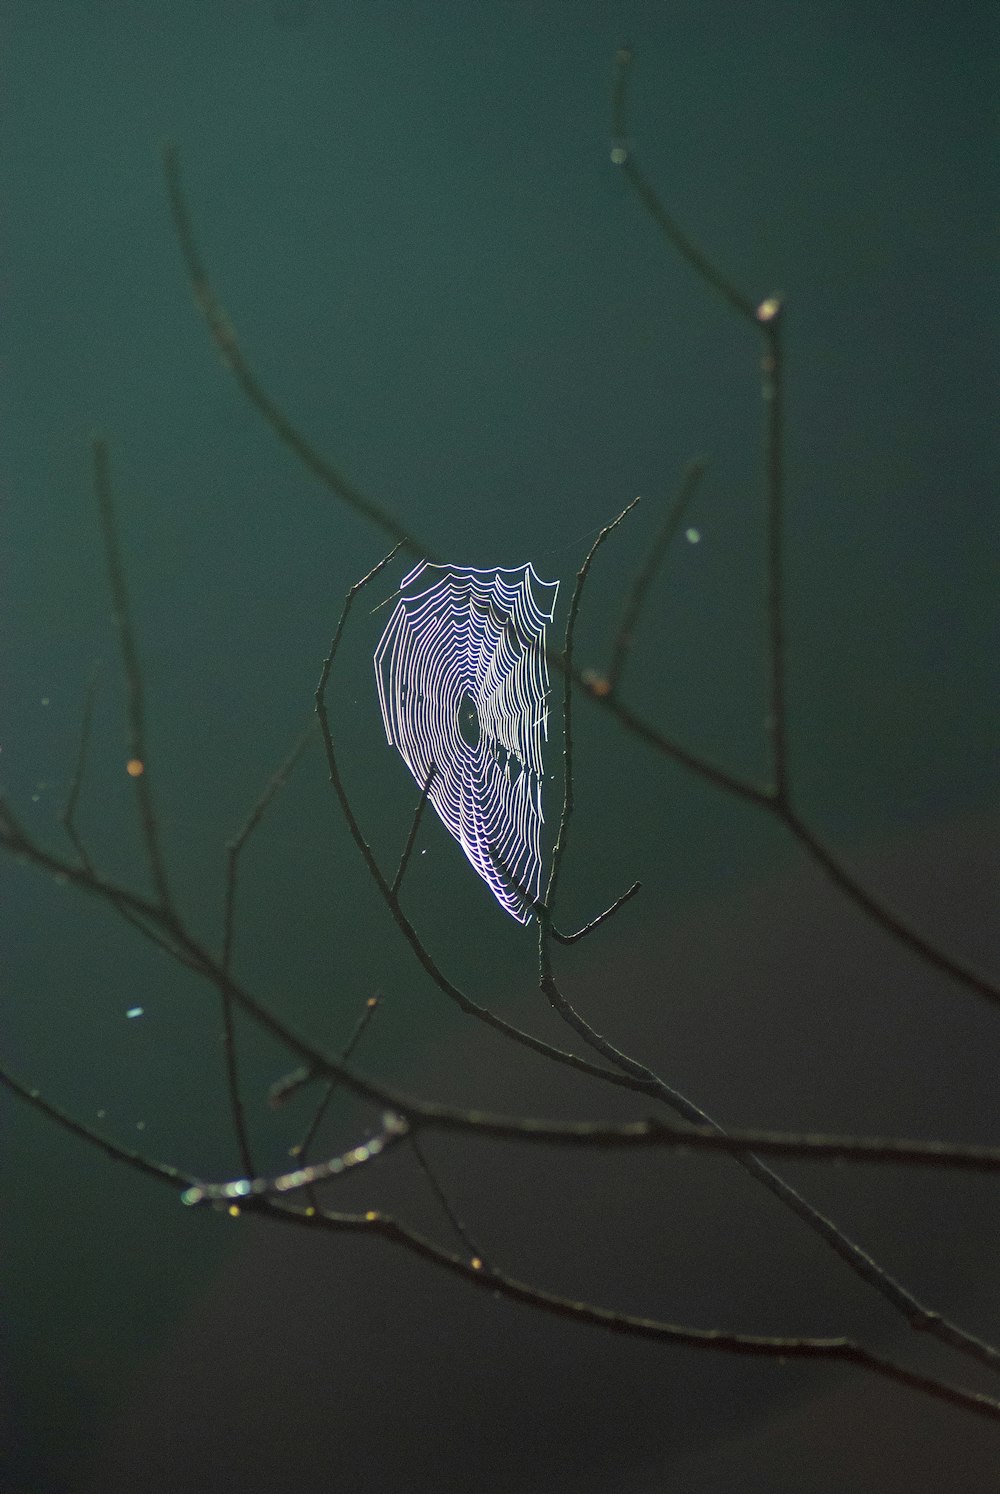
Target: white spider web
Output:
{"points": [[463, 684]]}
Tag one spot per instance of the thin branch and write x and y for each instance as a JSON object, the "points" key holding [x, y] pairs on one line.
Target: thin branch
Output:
{"points": [[655, 1133], [68, 817], [595, 686], [283, 1089], [883, 917], [769, 317], [647, 572], [621, 156], [237, 1110], [394, 1129], [766, 317], [414, 827], [138, 756], [475, 1254], [68, 821], [559, 848], [224, 337], [537, 906], [588, 928], [129, 1158], [234, 849]]}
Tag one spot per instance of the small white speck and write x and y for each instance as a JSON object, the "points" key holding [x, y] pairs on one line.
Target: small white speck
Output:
{"points": [[692, 536], [134, 1011]]}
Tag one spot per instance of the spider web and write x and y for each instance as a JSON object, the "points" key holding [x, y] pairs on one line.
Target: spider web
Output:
{"points": [[463, 684]]}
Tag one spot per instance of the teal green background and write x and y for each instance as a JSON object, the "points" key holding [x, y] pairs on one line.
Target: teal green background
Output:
{"points": [[409, 212]]}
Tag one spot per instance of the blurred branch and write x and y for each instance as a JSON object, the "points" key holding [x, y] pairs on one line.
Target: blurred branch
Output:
{"points": [[765, 316], [647, 571], [224, 336]]}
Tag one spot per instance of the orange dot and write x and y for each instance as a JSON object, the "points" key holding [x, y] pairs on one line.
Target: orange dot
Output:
{"points": [[596, 683], [135, 767], [476, 1263]]}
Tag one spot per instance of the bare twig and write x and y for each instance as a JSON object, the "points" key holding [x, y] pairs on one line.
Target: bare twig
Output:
{"points": [[281, 1091], [588, 928], [559, 849], [224, 337], [138, 756], [621, 156], [124, 1155], [414, 827], [394, 1129], [647, 572], [234, 849], [69, 823], [765, 316], [475, 1254], [537, 906], [68, 816]]}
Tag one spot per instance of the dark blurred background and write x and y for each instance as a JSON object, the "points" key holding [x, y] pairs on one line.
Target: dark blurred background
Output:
{"points": [[410, 214]]}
